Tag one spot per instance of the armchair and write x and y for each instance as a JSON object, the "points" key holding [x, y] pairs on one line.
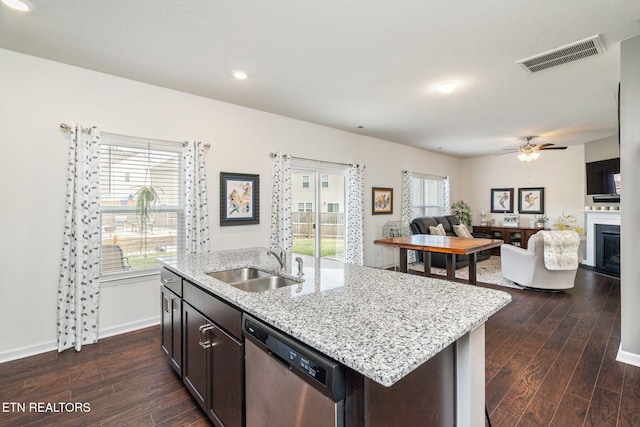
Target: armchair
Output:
{"points": [[526, 267]]}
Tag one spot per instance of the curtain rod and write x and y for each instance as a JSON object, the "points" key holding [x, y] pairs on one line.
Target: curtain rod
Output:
{"points": [[272, 154], [426, 174], [66, 128]]}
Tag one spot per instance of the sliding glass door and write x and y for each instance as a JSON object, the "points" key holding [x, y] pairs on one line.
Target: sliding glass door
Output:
{"points": [[318, 209]]}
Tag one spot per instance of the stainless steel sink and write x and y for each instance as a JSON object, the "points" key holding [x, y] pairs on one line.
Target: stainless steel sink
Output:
{"points": [[264, 284], [251, 279], [239, 274]]}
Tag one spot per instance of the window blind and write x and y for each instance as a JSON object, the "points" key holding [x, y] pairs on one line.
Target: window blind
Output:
{"points": [[132, 170], [428, 196]]}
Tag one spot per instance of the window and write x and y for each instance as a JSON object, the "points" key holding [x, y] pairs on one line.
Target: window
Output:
{"points": [[131, 242], [305, 207], [319, 229], [428, 196]]}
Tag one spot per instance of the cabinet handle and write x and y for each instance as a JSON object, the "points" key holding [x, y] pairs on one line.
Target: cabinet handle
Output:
{"points": [[169, 280], [205, 343], [167, 304]]}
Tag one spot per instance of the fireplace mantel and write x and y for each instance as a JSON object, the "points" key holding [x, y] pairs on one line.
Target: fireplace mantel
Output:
{"points": [[592, 218]]}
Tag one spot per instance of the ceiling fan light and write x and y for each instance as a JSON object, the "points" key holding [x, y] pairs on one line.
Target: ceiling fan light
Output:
{"points": [[535, 155]]}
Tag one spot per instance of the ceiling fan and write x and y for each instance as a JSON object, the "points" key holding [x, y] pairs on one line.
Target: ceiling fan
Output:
{"points": [[529, 151]]}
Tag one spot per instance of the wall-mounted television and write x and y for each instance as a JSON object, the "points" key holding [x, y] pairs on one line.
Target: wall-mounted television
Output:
{"points": [[603, 177]]}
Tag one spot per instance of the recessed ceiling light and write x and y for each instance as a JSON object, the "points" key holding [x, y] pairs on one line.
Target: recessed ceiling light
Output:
{"points": [[447, 87], [240, 75], [17, 5]]}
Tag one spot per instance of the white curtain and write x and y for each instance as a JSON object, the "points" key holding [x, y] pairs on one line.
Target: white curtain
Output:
{"points": [[447, 195], [196, 210], [407, 208], [281, 235], [355, 215], [78, 283]]}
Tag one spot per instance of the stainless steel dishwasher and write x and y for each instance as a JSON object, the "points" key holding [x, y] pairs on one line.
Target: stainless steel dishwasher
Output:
{"points": [[288, 383]]}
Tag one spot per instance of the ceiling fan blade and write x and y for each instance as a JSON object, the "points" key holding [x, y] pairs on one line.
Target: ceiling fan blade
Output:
{"points": [[553, 148], [548, 144]]}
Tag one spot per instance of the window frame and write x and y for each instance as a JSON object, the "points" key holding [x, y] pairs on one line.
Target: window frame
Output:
{"points": [[420, 207], [139, 274]]}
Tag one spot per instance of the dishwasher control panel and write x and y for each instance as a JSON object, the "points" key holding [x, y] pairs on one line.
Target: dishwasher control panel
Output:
{"points": [[328, 374]]}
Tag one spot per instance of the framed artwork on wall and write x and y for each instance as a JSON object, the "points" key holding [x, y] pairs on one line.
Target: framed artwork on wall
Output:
{"points": [[531, 200], [239, 199], [502, 200], [381, 200]]}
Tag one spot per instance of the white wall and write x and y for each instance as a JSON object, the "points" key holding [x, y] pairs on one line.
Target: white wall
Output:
{"points": [[630, 200], [560, 172], [37, 95], [602, 149]]}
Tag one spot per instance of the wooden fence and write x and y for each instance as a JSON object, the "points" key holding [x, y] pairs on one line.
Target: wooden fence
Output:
{"points": [[331, 224]]}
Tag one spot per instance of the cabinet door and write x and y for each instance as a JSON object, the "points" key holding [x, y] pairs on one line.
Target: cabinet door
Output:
{"points": [[515, 238], [194, 360], [226, 388], [172, 328]]}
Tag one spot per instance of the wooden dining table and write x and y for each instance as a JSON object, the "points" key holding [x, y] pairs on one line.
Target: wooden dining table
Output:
{"points": [[448, 245]]}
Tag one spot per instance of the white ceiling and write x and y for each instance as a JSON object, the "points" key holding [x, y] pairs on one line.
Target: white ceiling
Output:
{"points": [[370, 63]]}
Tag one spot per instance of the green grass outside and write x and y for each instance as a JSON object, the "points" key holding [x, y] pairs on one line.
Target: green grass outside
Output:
{"points": [[330, 247], [148, 261]]}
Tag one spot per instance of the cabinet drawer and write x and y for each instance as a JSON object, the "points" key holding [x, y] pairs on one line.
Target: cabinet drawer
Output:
{"points": [[172, 281], [226, 316], [480, 229]]}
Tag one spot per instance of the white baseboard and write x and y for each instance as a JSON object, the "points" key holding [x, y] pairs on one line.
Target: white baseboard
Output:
{"points": [[627, 357], [53, 345], [28, 351], [129, 327]]}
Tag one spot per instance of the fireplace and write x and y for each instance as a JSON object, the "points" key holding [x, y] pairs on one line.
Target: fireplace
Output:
{"points": [[608, 249]]}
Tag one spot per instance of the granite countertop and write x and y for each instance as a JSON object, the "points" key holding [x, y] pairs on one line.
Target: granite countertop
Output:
{"points": [[379, 323]]}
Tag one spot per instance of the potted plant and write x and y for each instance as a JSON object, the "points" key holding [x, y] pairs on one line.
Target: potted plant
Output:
{"points": [[541, 221], [147, 200], [462, 211]]}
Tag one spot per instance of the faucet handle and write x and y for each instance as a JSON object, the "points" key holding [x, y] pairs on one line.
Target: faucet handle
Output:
{"points": [[300, 273]]}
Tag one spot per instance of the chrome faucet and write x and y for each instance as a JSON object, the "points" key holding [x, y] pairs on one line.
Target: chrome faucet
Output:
{"points": [[281, 257]]}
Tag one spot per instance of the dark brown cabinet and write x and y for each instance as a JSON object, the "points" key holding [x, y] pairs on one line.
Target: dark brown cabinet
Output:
{"points": [[510, 235], [202, 338], [172, 328], [171, 304], [213, 359]]}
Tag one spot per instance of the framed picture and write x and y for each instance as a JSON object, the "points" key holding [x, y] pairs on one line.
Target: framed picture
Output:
{"points": [[502, 200], [381, 200], [531, 200], [239, 199]]}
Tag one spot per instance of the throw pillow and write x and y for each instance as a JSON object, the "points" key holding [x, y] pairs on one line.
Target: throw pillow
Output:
{"points": [[437, 231], [461, 230]]}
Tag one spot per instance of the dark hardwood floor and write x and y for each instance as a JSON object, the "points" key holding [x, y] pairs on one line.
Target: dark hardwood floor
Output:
{"points": [[125, 379], [550, 360]]}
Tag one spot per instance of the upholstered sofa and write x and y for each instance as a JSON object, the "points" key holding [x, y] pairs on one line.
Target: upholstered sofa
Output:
{"points": [[421, 226]]}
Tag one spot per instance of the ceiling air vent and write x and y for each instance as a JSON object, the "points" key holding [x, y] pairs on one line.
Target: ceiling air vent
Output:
{"points": [[563, 55]]}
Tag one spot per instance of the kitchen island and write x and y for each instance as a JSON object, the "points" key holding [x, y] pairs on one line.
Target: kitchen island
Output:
{"points": [[384, 327]]}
